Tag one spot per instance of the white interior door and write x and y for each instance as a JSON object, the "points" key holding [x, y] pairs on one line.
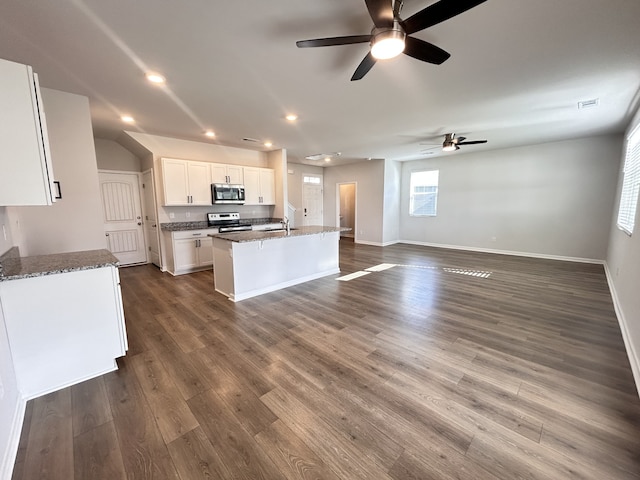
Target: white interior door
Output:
{"points": [[122, 215], [150, 223], [312, 201]]}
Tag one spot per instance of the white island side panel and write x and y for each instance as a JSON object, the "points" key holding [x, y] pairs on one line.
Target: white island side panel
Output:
{"points": [[263, 266]]}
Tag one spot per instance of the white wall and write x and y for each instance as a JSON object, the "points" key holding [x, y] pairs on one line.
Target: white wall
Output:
{"points": [[623, 268], [392, 194], [111, 155], [296, 172], [5, 243], [277, 160], [73, 223], [369, 177], [553, 199]]}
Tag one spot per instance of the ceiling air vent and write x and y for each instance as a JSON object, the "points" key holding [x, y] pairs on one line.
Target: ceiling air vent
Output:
{"points": [[588, 103]]}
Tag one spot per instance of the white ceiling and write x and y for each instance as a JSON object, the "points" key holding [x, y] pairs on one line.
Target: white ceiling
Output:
{"points": [[517, 71]]}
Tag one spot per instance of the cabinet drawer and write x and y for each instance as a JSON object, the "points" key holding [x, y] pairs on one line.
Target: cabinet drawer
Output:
{"points": [[193, 233]]}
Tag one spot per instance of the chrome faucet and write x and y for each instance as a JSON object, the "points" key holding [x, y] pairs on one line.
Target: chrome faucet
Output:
{"points": [[285, 225]]}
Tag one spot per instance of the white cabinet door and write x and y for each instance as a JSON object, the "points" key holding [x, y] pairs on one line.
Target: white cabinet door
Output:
{"points": [[252, 186], [235, 174], [205, 252], [185, 255], [199, 183], [267, 186], [218, 173], [259, 186], [175, 181], [192, 250], [221, 173], [26, 174]]}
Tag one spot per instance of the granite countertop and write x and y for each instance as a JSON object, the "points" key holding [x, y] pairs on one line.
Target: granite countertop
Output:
{"points": [[203, 225], [14, 267], [255, 236]]}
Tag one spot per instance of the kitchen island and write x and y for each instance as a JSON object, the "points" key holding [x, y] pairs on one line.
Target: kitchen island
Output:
{"points": [[63, 316], [247, 264]]}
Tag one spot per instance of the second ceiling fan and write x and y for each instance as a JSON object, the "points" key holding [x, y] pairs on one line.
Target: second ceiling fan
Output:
{"points": [[390, 34]]}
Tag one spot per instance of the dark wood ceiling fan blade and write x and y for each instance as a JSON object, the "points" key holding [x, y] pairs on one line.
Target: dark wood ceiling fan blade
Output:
{"points": [[436, 13], [472, 142], [329, 42], [381, 12], [424, 51], [367, 63]]}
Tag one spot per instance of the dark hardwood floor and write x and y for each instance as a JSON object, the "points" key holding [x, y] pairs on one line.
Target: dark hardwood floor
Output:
{"points": [[450, 365]]}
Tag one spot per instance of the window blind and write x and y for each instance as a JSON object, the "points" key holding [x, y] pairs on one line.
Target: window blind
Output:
{"points": [[630, 184]]}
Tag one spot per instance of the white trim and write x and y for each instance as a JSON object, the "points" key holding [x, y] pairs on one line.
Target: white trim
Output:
{"points": [[10, 454], [377, 244], [507, 252], [634, 359]]}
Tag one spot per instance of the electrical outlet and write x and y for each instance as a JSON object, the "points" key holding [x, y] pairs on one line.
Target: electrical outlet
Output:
{"points": [[493, 239], [172, 215], [187, 214]]}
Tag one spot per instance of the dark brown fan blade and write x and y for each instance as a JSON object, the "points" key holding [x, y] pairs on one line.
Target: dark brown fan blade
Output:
{"points": [[424, 51], [459, 139], [381, 12], [397, 7], [436, 13], [364, 67], [473, 142], [329, 42]]}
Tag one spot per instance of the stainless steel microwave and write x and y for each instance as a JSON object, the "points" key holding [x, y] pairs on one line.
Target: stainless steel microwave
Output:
{"points": [[227, 193]]}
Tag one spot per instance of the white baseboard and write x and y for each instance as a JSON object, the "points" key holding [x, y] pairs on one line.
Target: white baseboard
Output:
{"points": [[634, 359], [272, 288], [506, 252], [9, 456]]}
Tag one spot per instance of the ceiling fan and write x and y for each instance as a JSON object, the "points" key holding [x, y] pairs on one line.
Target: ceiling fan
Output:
{"points": [[390, 34], [452, 143]]}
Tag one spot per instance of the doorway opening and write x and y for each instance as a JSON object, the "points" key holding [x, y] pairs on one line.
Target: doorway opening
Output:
{"points": [[347, 208]]}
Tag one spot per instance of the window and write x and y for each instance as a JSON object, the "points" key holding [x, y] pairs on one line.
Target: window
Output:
{"points": [[630, 183], [424, 193], [311, 179]]}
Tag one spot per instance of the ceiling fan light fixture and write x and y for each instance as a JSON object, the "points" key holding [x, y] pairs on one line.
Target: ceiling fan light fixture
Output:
{"points": [[387, 44], [449, 147]]}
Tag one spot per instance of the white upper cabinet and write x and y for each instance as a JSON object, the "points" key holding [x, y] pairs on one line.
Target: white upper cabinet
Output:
{"points": [[26, 174], [221, 173], [259, 184], [186, 182]]}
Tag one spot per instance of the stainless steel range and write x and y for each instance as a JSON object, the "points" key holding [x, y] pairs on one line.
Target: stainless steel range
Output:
{"points": [[227, 222]]}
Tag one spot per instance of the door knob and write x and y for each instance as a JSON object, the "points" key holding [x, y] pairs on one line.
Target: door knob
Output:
{"points": [[106, 234], [139, 223]]}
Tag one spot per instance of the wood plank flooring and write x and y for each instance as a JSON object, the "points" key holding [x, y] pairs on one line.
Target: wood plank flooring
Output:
{"points": [[450, 365]]}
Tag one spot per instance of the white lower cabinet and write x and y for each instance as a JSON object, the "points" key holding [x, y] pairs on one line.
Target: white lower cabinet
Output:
{"points": [[64, 328], [191, 250]]}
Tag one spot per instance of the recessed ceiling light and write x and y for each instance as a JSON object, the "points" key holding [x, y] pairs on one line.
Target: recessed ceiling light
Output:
{"points": [[156, 78], [268, 144], [210, 133], [292, 117], [127, 118], [327, 159]]}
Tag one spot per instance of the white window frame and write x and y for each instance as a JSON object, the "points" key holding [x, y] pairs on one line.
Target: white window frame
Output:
{"points": [[630, 184], [412, 194]]}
